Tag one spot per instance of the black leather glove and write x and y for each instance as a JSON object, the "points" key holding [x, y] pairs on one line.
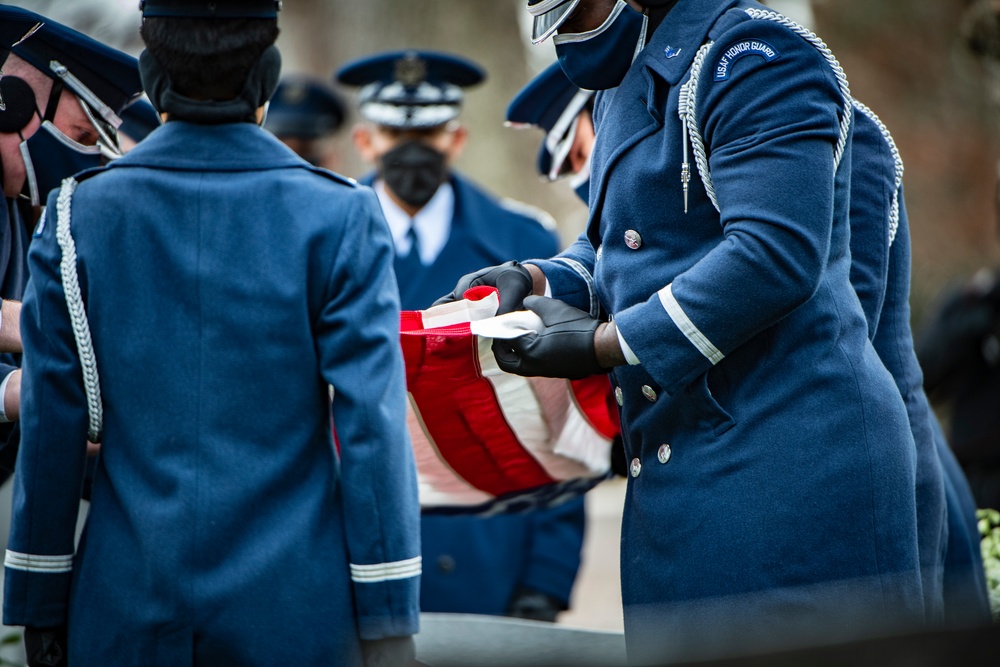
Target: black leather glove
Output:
{"points": [[511, 279], [564, 348], [532, 605], [45, 647], [389, 652]]}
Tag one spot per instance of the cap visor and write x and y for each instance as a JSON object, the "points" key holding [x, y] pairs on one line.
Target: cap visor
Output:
{"points": [[546, 24]]}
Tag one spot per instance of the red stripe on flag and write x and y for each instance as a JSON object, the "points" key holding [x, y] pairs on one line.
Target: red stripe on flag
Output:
{"points": [[461, 412], [597, 404]]}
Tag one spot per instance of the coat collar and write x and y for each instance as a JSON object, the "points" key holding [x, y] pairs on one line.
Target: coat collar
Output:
{"points": [[673, 46], [228, 147]]}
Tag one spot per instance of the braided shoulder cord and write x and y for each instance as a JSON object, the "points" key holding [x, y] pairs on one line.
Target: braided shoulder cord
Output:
{"points": [[689, 97], [897, 161], [77, 313]]}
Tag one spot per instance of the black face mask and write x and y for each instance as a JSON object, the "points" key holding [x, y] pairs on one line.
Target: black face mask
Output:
{"points": [[413, 171]]}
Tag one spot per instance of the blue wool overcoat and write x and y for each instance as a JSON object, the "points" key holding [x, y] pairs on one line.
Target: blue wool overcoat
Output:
{"points": [[228, 284], [771, 500], [475, 565], [954, 584]]}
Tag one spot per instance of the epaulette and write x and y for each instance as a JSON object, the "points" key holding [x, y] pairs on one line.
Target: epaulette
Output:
{"points": [[333, 176], [538, 215]]}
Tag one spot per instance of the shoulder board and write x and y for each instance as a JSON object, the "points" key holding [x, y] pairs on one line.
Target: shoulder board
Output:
{"points": [[88, 173], [333, 176], [529, 211]]}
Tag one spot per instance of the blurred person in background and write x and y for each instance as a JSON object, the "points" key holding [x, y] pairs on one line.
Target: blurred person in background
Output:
{"points": [[565, 114], [305, 114], [443, 226]]}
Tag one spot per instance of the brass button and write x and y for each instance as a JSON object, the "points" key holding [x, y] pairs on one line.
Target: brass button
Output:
{"points": [[633, 240], [619, 397], [649, 393], [635, 468], [664, 453]]}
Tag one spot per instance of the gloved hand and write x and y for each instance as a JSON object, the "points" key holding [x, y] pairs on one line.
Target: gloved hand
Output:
{"points": [[532, 605], [511, 279], [45, 647], [564, 348], [388, 652]]}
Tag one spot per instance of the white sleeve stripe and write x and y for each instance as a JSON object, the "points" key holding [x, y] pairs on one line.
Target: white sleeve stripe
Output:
{"points": [[587, 278], [38, 563], [402, 569], [687, 327], [626, 349]]}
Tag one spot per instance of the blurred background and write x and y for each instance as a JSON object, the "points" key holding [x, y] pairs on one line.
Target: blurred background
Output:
{"points": [[906, 60]]}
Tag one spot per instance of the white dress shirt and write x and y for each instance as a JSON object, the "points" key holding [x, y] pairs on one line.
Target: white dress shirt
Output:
{"points": [[432, 223]]}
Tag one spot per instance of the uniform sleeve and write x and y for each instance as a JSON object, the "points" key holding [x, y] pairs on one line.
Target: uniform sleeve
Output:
{"points": [[571, 275], [771, 127], [52, 455], [360, 355], [873, 190]]}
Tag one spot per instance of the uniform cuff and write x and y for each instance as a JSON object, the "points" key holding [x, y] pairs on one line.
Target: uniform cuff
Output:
{"points": [[626, 350], [3, 397]]}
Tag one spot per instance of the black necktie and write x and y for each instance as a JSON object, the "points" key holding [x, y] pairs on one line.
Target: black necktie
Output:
{"points": [[410, 263]]}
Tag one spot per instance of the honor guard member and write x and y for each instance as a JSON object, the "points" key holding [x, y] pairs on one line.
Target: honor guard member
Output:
{"points": [[565, 113], [60, 95], [443, 226], [954, 586], [771, 498], [305, 114], [241, 279]]}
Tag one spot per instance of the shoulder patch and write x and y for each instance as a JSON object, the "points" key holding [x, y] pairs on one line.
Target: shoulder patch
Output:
{"points": [[527, 210], [741, 49]]}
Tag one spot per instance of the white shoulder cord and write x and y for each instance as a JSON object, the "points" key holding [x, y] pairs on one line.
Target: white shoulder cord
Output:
{"points": [[898, 162], [689, 97], [77, 314]]}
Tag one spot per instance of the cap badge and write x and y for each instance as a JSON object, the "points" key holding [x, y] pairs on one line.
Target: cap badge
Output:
{"points": [[411, 70]]}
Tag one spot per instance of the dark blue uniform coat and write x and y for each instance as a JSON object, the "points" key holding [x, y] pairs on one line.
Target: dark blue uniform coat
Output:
{"points": [[475, 565], [771, 500], [228, 284], [951, 563]]}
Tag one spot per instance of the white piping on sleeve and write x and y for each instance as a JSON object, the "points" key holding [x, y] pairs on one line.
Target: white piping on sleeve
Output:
{"points": [[379, 572], [16, 560], [687, 327]]}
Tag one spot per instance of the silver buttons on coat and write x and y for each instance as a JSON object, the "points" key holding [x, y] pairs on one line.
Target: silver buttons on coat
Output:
{"points": [[633, 240], [599, 253], [635, 468], [663, 454], [619, 396], [649, 393]]}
